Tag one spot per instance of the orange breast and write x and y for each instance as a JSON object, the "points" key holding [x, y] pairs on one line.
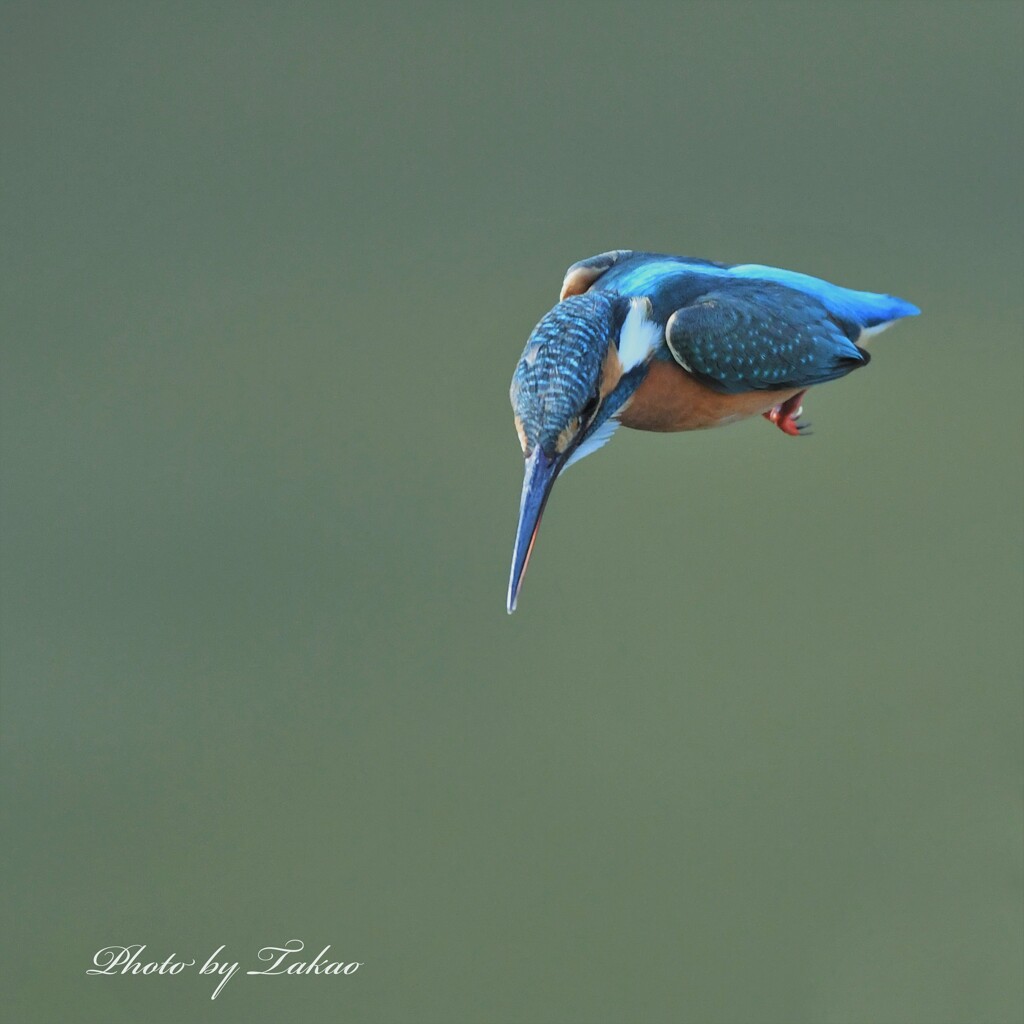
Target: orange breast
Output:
{"points": [[670, 399]]}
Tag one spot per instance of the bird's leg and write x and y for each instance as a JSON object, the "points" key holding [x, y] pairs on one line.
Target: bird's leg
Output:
{"points": [[785, 416]]}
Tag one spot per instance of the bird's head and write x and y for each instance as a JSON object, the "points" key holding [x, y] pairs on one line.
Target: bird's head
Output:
{"points": [[580, 364]]}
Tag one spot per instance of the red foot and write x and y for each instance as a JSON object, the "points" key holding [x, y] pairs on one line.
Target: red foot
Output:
{"points": [[785, 416]]}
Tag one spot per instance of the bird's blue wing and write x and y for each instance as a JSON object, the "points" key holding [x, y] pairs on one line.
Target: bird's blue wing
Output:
{"points": [[754, 336]]}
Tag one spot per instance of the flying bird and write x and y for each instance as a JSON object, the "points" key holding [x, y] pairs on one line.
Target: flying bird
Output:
{"points": [[670, 343]]}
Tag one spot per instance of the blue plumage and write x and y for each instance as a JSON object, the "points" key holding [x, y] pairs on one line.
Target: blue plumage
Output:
{"points": [[676, 280], [867, 309], [559, 369], [758, 337], [747, 327], [670, 343]]}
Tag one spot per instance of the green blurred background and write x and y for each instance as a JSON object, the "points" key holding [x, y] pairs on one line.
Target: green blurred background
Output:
{"points": [[750, 751]]}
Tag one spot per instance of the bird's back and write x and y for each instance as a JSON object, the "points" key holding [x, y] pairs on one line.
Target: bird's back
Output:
{"points": [[671, 282]]}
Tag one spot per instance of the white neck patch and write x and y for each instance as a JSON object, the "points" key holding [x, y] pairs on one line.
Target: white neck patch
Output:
{"points": [[598, 439], [639, 336]]}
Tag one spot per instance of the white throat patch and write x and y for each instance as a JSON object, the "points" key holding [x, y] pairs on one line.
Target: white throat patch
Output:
{"points": [[639, 336]]}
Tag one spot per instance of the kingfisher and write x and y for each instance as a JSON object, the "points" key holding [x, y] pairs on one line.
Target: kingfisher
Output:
{"points": [[671, 343]]}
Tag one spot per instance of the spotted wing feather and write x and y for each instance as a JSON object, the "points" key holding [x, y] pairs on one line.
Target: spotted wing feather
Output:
{"points": [[761, 336]]}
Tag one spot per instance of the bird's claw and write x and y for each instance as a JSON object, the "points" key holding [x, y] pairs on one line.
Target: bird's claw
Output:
{"points": [[786, 416]]}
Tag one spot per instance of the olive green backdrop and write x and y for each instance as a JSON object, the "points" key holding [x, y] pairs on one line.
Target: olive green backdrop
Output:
{"points": [[750, 751]]}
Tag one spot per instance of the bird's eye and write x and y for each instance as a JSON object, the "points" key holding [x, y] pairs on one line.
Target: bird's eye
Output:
{"points": [[589, 409]]}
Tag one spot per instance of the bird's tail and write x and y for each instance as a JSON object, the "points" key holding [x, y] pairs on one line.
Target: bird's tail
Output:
{"points": [[883, 309]]}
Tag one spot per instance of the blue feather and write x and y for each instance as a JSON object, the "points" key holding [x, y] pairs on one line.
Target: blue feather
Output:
{"points": [[867, 309], [759, 335], [676, 279]]}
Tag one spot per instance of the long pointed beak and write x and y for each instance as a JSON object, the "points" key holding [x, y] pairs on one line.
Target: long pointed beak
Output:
{"points": [[541, 472]]}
